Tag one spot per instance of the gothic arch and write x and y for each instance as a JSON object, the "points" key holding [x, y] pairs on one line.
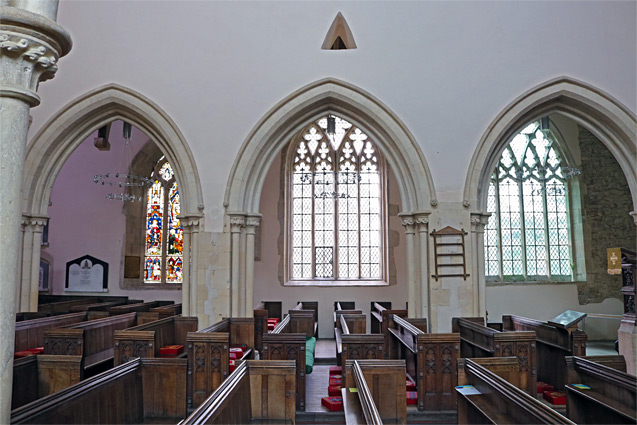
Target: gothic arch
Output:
{"points": [[611, 122], [288, 117], [64, 132], [276, 129]]}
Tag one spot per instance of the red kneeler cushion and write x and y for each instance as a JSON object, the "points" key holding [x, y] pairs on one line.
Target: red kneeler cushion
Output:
{"points": [[244, 347], [543, 386], [333, 403], [171, 350], [335, 380], [232, 366], [412, 397], [411, 385], [232, 356], [335, 370], [556, 397], [238, 352], [23, 353], [334, 390], [271, 326]]}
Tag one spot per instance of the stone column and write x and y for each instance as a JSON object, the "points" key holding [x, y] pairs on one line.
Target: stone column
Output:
{"points": [[627, 332], [194, 224], [32, 244], [190, 225], [30, 45], [478, 221], [409, 223], [237, 222], [252, 221], [422, 223]]}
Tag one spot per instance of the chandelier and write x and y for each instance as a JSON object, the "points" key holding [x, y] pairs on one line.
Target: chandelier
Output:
{"points": [[119, 180]]}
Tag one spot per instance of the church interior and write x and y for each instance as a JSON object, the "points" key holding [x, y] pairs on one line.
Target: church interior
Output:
{"points": [[318, 212]]}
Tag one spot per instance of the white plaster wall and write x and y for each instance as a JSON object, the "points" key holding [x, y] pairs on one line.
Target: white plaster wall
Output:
{"points": [[217, 67], [267, 286], [83, 222], [544, 302]]}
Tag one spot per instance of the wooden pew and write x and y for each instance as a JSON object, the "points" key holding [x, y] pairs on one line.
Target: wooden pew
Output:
{"points": [[27, 315], [93, 340], [430, 361], [257, 391], [611, 398], [311, 306], [355, 344], [30, 333], [145, 340], [380, 318], [380, 396], [99, 306], [130, 308], [282, 344], [65, 306], [208, 351], [140, 391], [493, 400], [480, 341], [37, 376], [262, 312], [553, 344]]}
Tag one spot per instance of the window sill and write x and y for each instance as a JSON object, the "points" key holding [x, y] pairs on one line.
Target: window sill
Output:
{"points": [[336, 283], [533, 282]]}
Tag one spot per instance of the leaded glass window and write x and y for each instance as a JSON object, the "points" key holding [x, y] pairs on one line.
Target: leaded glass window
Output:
{"points": [[336, 222], [163, 259], [528, 235]]}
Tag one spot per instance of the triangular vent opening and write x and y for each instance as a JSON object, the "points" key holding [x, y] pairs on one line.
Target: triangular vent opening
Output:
{"points": [[339, 36]]}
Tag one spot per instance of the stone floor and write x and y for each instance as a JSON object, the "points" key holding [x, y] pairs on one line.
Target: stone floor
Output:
{"points": [[600, 348]]}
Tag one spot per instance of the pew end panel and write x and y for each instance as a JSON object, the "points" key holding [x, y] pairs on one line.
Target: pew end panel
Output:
{"points": [[288, 346], [242, 331], [437, 372], [208, 364], [361, 347]]}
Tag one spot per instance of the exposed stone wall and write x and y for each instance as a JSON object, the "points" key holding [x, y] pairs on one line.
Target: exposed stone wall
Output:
{"points": [[606, 204]]}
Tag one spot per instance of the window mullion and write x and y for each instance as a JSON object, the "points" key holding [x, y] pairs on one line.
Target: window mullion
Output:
{"points": [[522, 229], [313, 221], [358, 210], [335, 228], [546, 229], [499, 227], [164, 237]]}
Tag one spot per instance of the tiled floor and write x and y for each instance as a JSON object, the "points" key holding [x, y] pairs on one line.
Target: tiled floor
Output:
{"points": [[600, 348], [316, 384]]}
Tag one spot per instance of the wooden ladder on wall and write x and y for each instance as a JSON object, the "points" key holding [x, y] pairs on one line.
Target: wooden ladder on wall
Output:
{"points": [[449, 237]]}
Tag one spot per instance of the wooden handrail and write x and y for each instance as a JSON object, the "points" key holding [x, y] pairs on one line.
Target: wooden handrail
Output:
{"points": [[344, 325], [372, 416], [603, 372], [281, 325]]}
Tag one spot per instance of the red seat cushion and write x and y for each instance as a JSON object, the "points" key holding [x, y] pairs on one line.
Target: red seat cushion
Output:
{"points": [[171, 350], [555, 397], [333, 403], [543, 386]]}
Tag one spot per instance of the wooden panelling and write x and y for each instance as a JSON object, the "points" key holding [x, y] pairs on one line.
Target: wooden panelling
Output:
{"points": [[288, 346], [25, 381], [30, 333]]}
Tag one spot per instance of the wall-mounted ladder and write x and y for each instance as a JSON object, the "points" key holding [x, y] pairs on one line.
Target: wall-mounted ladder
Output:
{"points": [[449, 237]]}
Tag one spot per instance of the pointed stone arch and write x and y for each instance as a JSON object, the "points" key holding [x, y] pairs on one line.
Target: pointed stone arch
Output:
{"points": [[339, 36], [65, 131], [610, 121], [400, 149]]}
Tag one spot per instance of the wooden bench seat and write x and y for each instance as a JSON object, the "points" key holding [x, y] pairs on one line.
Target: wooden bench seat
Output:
{"points": [[30, 333], [130, 308], [430, 361], [146, 340], [611, 398], [478, 340], [208, 355], [136, 392], [380, 319], [487, 398], [256, 392], [354, 343]]}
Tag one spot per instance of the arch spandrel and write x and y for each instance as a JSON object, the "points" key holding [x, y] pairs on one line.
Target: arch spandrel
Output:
{"points": [[609, 120], [289, 116]]}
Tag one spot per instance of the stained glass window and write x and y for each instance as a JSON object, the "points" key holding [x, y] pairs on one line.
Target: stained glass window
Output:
{"points": [[163, 259], [528, 235], [336, 222]]}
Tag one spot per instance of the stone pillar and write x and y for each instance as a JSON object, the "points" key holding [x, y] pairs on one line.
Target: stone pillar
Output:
{"points": [[422, 223], [252, 221], [194, 225], [30, 45], [409, 223], [237, 222], [32, 246], [627, 332], [478, 221], [190, 225]]}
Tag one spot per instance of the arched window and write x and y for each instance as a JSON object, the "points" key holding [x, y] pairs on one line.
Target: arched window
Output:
{"points": [[335, 206], [528, 236], [163, 256]]}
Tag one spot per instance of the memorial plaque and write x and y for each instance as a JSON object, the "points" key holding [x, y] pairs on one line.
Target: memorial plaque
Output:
{"points": [[87, 274]]}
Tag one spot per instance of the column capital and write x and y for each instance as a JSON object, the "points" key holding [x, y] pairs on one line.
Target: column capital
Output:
{"points": [[190, 223], [252, 222], [237, 221], [31, 45], [36, 222], [421, 220], [408, 222], [479, 220]]}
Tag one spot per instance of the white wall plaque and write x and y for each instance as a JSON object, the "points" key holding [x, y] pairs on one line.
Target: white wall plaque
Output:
{"points": [[87, 274]]}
